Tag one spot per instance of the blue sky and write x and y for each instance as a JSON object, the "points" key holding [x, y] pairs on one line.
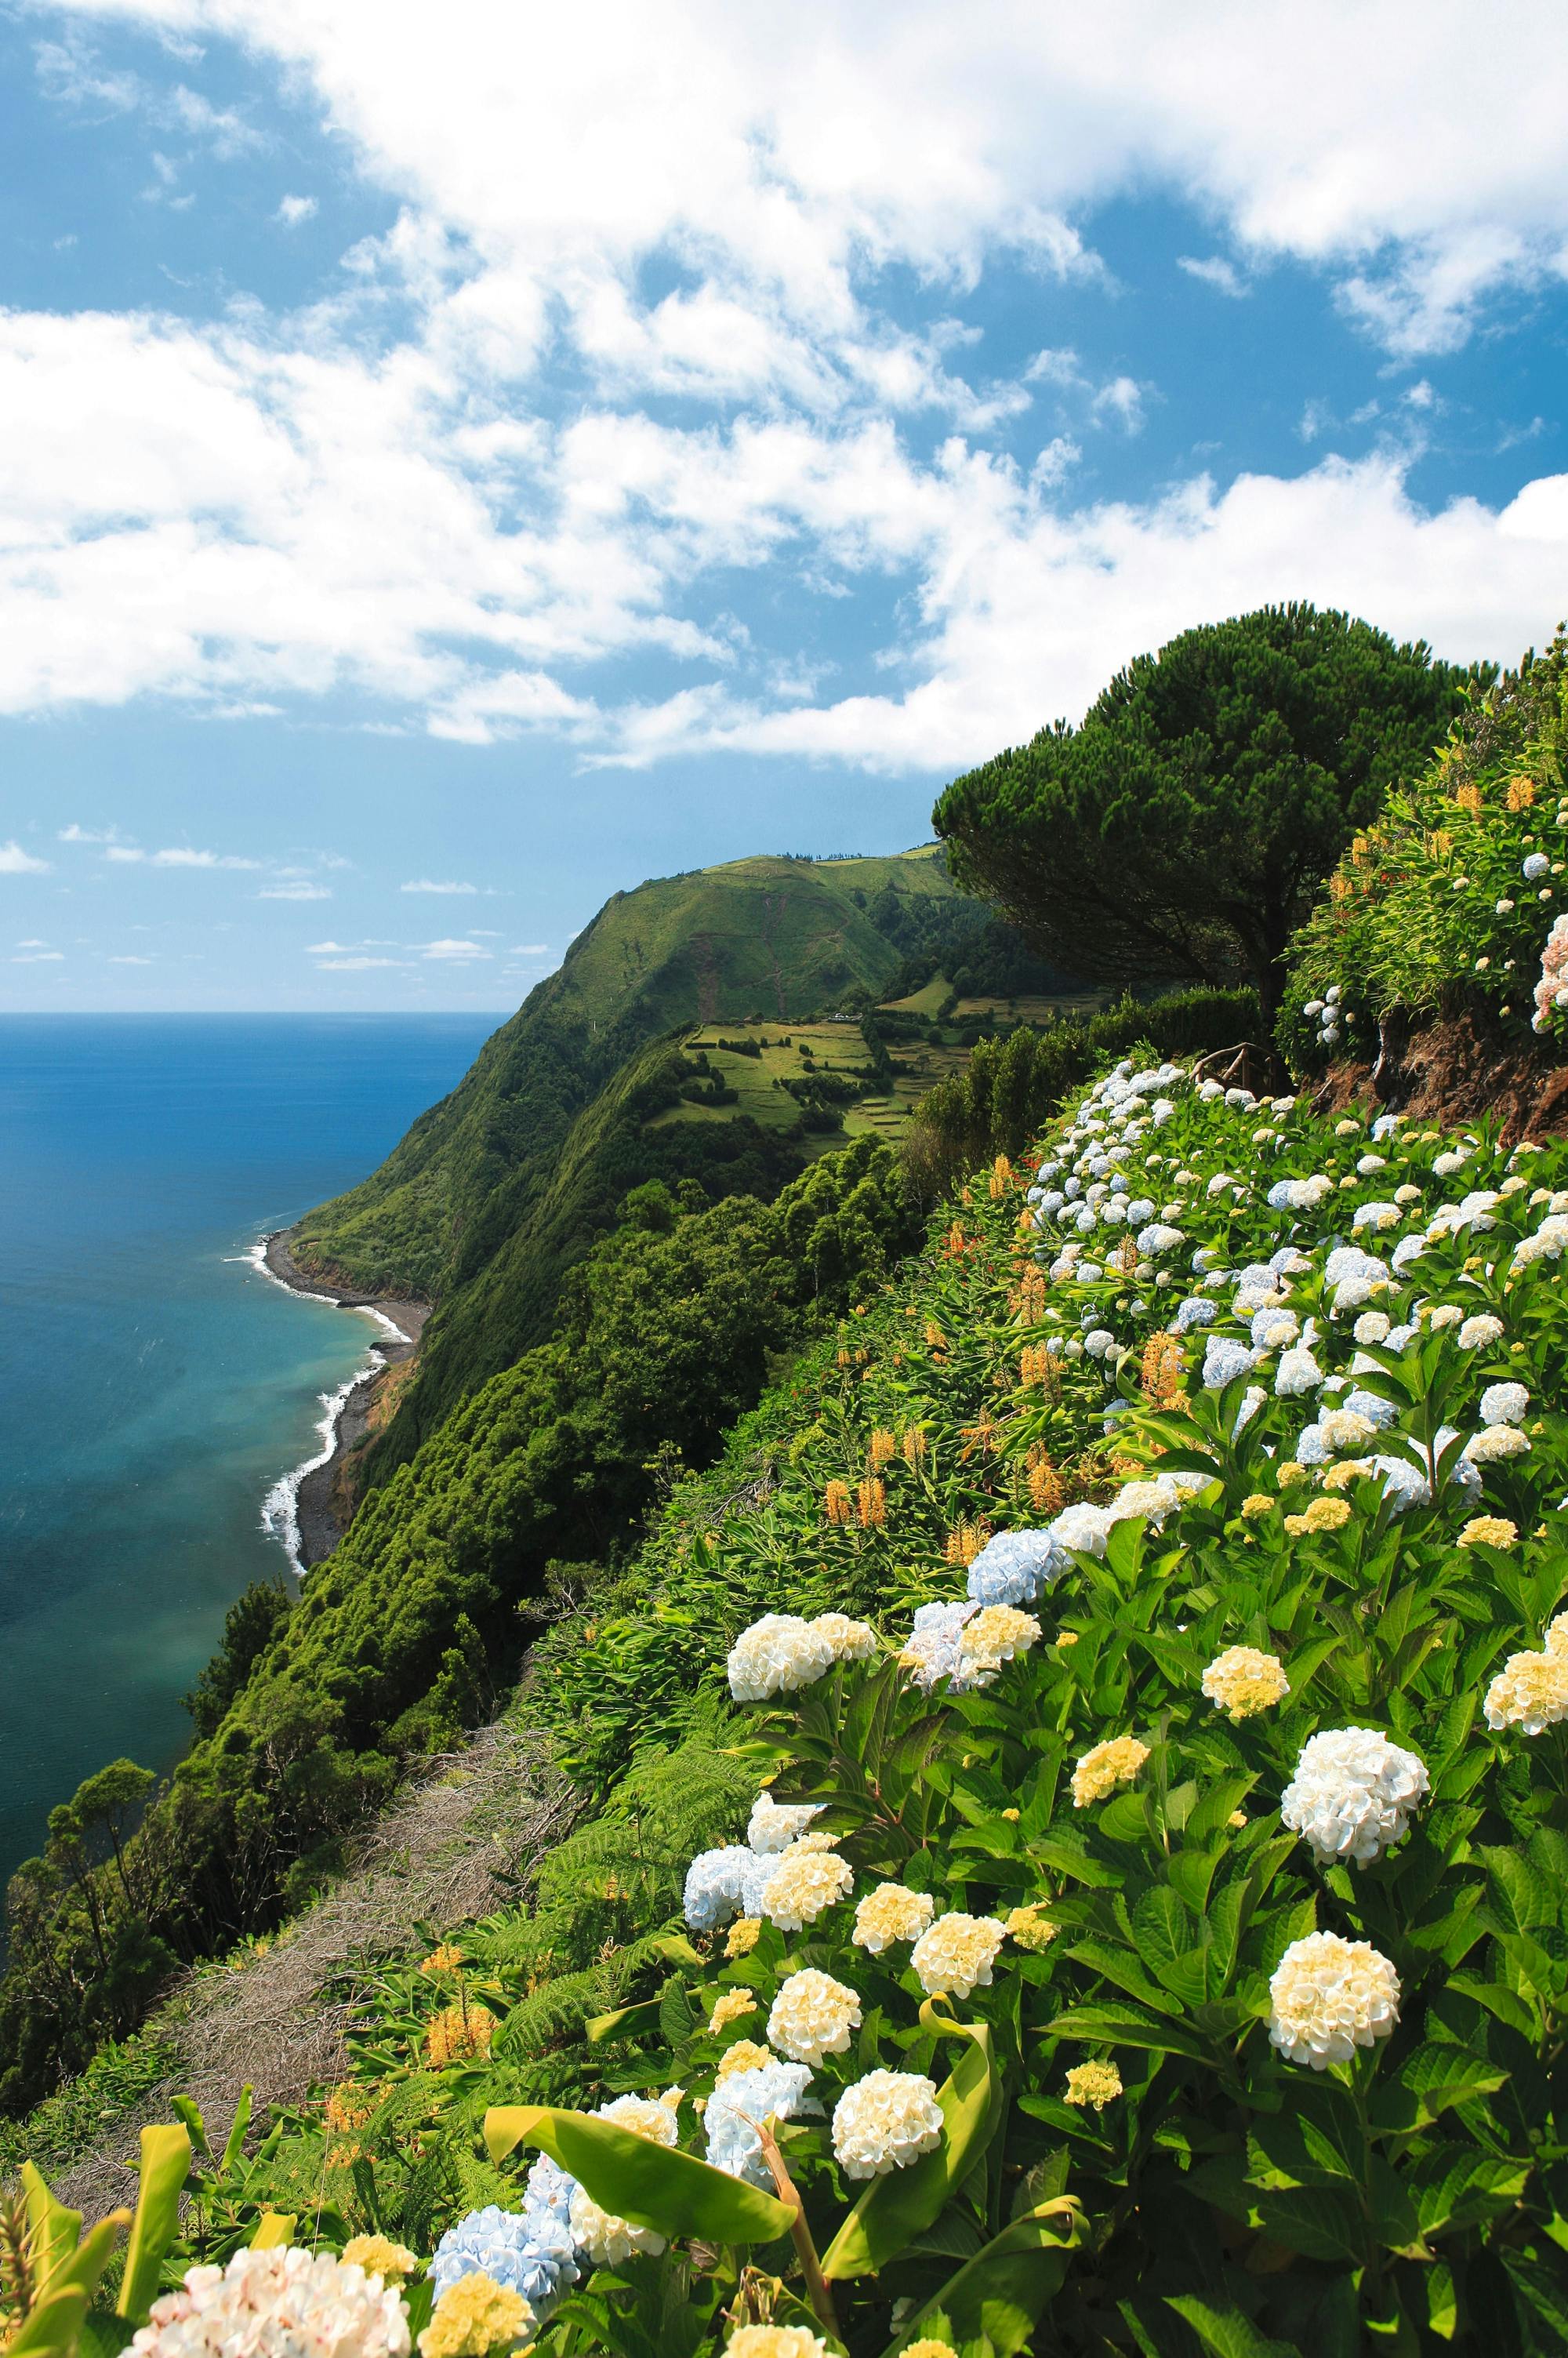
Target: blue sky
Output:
{"points": [[514, 457]]}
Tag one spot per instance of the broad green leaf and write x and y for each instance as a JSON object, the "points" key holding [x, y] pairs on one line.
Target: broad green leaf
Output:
{"points": [[103, 2335], [1001, 2292], [1124, 2026], [187, 2109], [1316, 2221], [653, 2185], [1227, 2331], [53, 2229], [54, 2326], [900, 2206], [625, 2022], [272, 2228], [1435, 2077], [165, 2165]]}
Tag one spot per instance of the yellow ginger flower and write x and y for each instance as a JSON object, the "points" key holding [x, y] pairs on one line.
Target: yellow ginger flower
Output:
{"points": [[1323, 1515], [1094, 2084], [881, 1448], [743, 1936], [1029, 1929], [891, 1912], [1489, 1530], [730, 2009], [744, 2056], [475, 2315], [1243, 1681], [1105, 1767], [1521, 794], [456, 2034], [444, 1959], [776, 2342], [379, 2256]]}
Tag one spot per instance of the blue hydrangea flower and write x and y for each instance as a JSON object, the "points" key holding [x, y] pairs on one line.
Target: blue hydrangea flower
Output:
{"points": [[713, 1887], [530, 2250], [733, 2146], [1194, 1311], [1372, 1406], [1014, 1566], [1224, 1360]]}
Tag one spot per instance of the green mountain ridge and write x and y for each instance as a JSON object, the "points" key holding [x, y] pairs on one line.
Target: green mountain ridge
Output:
{"points": [[502, 1187]]}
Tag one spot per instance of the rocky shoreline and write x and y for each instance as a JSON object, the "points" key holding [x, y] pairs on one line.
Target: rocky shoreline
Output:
{"points": [[317, 1503]]}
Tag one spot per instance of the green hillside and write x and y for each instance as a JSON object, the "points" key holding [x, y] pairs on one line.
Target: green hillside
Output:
{"points": [[588, 1092]]}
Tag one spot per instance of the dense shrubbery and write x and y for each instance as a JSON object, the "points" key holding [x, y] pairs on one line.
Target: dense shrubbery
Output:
{"points": [[665, 1335], [1445, 903], [1173, 1535]]}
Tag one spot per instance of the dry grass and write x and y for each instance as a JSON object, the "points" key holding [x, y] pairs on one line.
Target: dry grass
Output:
{"points": [[450, 1850]]}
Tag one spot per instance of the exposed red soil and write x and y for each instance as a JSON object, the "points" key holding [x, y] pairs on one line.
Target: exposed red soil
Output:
{"points": [[1452, 1072]]}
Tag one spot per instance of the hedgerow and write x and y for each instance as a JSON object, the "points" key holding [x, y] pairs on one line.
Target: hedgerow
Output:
{"points": [[1124, 1675]]}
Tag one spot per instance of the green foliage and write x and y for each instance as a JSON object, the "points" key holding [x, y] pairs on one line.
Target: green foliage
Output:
{"points": [[665, 1335], [1183, 829], [1429, 912], [1008, 1089]]}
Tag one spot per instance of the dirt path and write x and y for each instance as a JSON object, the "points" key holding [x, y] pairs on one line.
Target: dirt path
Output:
{"points": [[444, 1852]]}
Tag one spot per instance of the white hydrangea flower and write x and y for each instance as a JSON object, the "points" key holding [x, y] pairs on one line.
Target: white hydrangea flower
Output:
{"points": [[957, 1954], [777, 1655], [1224, 1360], [609, 2240], [775, 1824], [282, 2299], [1297, 1372], [813, 2016], [1329, 1997], [1275, 1329], [1352, 1794], [931, 1650], [1531, 1691], [1478, 1334], [885, 2122], [1504, 1404], [1372, 1326], [853, 1642]]}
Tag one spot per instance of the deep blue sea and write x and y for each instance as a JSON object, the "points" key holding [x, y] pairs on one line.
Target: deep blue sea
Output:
{"points": [[153, 1385]]}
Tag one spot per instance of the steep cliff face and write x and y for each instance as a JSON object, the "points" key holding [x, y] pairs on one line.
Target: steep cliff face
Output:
{"points": [[1458, 1070]]}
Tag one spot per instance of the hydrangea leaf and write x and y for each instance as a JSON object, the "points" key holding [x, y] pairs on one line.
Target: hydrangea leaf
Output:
{"points": [[653, 2185]]}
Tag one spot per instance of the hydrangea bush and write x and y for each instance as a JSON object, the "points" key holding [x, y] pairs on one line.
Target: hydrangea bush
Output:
{"points": [[1138, 1923], [1455, 898]]}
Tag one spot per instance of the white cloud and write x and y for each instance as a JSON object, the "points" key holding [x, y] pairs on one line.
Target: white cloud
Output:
{"points": [[294, 891], [454, 950], [530, 950], [74, 833], [38, 958], [353, 965], [1216, 272], [128, 957], [426, 884], [178, 855], [14, 862], [389, 498], [295, 210], [327, 949]]}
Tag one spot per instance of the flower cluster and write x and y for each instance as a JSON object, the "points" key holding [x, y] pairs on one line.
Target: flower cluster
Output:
{"points": [[885, 2122], [1329, 1997], [891, 1912], [1106, 1766], [1354, 1794], [957, 1954], [281, 2299], [781, 1653], [1243, 1681], [813, 2016]]}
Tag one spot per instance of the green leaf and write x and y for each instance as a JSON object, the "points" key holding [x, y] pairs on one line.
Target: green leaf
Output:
{"points": [[54, 2328], [53, 2229], [103, 2335], [273, 2227], [187, 2109], [1226, 2332], [1001, 2292], [653, 2185], [1316, 2221], [234, 2144], [625, 2022], [1434, 2077], [894, 2209], [165, 2165]]}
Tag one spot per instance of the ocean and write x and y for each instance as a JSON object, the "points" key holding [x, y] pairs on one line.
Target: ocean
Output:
{"points": [[155, 1385]]}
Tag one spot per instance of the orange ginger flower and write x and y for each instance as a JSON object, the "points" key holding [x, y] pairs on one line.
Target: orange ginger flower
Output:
{"points": [[836, 1503], [872, 1504]]}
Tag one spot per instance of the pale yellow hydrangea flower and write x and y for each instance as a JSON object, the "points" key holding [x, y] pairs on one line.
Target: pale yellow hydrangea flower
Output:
{"points": [[744, 2056], [1098, 2084], [1531, 1691], [776, 2342], [475, 2315], [1323, 1515], [1489, 1530], [743, 1936], [730, 2009], [891, 1912], [1243, 1681], [1029, 1929], [1105, 1767], [379, 2256], [1257, 1503]]}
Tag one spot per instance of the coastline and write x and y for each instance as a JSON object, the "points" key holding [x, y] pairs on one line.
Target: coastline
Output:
{"points": [[302, 1508]]}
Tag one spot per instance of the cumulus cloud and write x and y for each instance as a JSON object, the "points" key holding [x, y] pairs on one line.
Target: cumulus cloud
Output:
{"points": [[296, 890], [293, 210], [427, 884], [415, 515], [453, 950], [14, 862], [1215, 270]]}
